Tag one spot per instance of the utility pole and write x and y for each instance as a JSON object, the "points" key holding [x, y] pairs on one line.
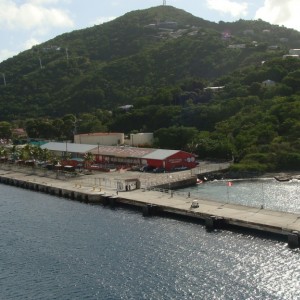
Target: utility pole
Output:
{"points": [[41, 66], [67, 54], [164, 2], [4, 80]]}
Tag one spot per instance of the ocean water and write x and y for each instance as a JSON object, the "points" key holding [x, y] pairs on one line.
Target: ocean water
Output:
{"points": [[54, 248], [272, 194]]}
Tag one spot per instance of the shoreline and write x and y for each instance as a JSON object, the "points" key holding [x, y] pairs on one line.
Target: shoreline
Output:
{"points": [[215, 215]]}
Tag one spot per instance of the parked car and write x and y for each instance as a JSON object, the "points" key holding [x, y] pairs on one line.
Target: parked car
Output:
{"points": [[146, 169]]}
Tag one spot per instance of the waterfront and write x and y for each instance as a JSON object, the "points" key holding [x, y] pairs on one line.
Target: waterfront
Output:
{"points": [[272, 194], [53, 248]]}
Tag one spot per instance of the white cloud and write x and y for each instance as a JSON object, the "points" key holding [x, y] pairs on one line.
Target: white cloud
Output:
{"points": [[29, 16], [235, 9], [29, 43], [102, 20], [280, 12], [4, 54], [45, 2]]}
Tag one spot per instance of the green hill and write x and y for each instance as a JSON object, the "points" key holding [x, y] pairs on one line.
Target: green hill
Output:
{"points": [[160, 61]]}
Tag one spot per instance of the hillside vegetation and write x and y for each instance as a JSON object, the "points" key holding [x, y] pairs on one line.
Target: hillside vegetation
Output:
{"points": [[151, 70]]}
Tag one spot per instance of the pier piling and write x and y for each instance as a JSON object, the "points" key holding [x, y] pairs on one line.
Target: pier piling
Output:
{"points": [[149, 210], [293, 240], [214, 222]]}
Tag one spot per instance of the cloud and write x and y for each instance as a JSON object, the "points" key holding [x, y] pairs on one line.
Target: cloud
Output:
{"points": [[45, 2], [102, 20], [115, 3], [233, 8], [29, 16], [29, 43], [5, 53], [280, 12]]}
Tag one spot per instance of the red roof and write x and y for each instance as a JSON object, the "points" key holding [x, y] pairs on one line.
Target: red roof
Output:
{"points": [[122, 151]]}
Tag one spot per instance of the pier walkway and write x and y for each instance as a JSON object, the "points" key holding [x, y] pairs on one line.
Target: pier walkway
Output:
{"points": [[179, 204]]}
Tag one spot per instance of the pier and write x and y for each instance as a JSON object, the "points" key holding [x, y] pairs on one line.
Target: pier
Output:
{"points": [[214, 215]]}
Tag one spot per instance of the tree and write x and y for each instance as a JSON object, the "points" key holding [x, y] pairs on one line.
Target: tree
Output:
{"points": [[5, 130], [175, 137], [88, 159]]}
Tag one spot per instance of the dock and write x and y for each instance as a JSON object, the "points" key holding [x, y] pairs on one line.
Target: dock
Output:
{"points": [[214, 215]]}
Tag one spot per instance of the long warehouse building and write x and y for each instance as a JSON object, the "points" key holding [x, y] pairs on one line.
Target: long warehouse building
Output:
{"points": [[168, 160]]}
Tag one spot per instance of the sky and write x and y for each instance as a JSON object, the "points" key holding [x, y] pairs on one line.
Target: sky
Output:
{"points": [[25, 23]]}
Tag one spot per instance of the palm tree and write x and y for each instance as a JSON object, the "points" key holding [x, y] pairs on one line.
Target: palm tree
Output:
{"points": [[88, 159], [14, 152]]}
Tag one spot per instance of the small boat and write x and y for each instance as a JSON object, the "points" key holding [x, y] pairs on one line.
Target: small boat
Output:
{"points": [[283, 178], [199, 181]]}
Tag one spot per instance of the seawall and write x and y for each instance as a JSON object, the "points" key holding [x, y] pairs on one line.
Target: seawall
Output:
{"points": [[215, 215]]}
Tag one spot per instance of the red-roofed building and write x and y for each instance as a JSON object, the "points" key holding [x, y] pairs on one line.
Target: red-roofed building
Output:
{"points": [[124, 156], [153, 158]]}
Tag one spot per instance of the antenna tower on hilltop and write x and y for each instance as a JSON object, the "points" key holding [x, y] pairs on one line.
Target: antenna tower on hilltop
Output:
{"points": [[164, 2]]}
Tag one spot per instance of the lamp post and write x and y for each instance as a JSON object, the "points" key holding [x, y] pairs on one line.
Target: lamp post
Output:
{"points": [[170, 177]]}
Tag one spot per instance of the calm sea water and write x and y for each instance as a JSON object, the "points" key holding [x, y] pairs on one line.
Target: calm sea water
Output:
{"points": [[272, 194], [53, 248]]}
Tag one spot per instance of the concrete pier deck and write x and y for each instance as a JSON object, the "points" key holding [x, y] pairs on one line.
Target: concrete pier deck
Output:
{"points": [[282, 223]]}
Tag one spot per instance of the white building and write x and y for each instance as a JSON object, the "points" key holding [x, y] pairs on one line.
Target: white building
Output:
{"points": [[290, 56], [268, 83], [140, 139], [100, 138], [294, 52], [237, 46]]}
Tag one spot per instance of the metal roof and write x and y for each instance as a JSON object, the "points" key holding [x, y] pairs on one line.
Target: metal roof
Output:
{"points": [[68, 147], [160, 154], [116, 151], [122, 151]]}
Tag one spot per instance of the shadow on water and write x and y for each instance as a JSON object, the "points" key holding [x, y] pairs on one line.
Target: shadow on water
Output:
{"points": [[198, 221]]}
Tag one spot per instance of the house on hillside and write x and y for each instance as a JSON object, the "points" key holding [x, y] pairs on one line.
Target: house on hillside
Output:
{"points": [[273, 47], [268, 83], [294, 52], [237, 46], [214, 88], [286, 56]]}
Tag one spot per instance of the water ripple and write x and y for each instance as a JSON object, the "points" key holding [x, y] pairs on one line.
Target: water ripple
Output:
{"points": [[52, 248]]}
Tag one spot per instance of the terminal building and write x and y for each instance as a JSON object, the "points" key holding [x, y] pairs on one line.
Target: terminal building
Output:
{"points": [[124, 156], [101, 138], [114, 139]]}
